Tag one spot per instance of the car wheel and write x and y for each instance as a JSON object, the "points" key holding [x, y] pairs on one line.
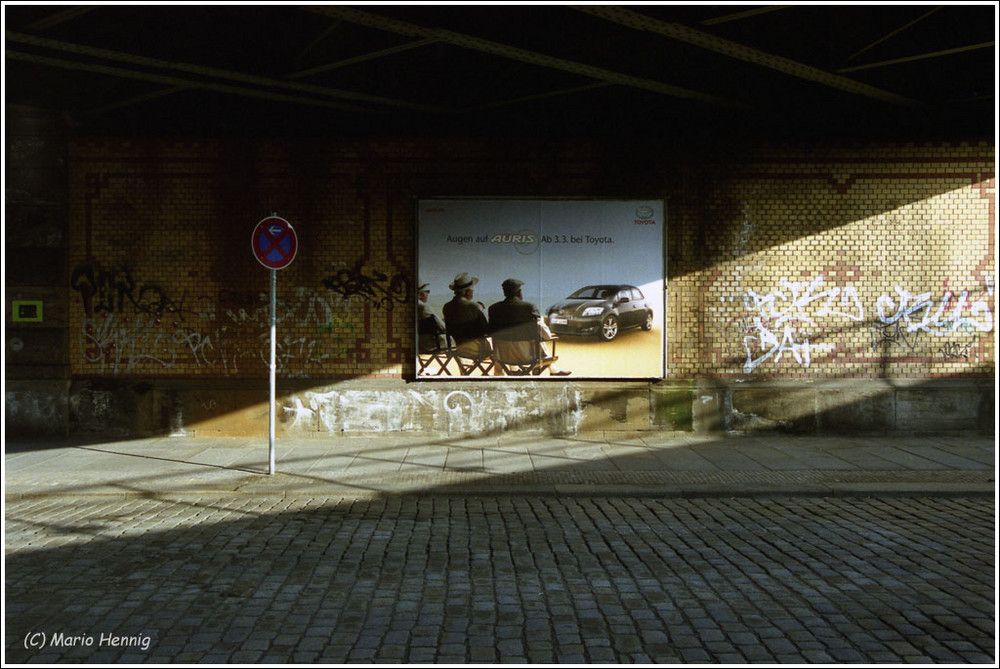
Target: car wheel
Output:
{"points": [[647, 324], [609, 328]]}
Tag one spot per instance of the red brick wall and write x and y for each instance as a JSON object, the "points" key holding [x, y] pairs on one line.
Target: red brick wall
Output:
{"points": [[783, 262]]}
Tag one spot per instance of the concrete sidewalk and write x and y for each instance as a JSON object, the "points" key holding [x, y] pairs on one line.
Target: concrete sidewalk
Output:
{"points": [[653, 464]]}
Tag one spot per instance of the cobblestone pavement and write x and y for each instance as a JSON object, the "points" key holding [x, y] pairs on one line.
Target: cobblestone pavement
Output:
{"points": [[507, 578]]}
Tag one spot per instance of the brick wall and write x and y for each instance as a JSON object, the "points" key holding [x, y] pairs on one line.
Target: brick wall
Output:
{"points": [[784, 262], [865, 262]]}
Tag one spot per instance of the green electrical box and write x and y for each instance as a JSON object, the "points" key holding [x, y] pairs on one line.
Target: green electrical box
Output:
{"points": [[27, 311]]}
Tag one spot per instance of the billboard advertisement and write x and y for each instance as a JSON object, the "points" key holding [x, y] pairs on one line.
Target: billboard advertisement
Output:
{"points": [[540, 288]]}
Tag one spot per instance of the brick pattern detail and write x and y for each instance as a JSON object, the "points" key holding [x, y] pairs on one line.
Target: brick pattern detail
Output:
{"points": [[784, 262]]}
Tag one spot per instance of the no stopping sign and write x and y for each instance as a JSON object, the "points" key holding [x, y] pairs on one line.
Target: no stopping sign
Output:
{"points": [[274, 243]]}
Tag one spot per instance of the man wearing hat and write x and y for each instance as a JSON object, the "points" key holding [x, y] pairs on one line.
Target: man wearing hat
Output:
{"points": [[466, 320], [430, 327], [520, 324]]}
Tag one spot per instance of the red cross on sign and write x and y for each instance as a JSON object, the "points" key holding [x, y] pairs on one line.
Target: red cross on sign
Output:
{"points": [[274, 243]]}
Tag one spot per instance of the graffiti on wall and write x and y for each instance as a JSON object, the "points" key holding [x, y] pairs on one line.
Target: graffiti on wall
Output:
{"points": [[787, 321], [375, 287], [243, 330], [453, 411], [784, 320], [885, 336], [954, 350], [119, 344], [127, 323], [129, 326], [920, 313]]}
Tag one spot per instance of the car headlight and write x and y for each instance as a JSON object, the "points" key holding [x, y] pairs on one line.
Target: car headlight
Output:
{"points": [[592, 311]]}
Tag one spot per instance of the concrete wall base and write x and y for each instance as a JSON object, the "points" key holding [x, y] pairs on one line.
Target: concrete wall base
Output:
{"points": [[197, 408], [36, 408]]}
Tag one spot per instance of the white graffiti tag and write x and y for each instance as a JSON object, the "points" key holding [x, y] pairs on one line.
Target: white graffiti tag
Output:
{"points": [[785, 320], [767, 345], [918, 313], [778, 315], [795, 304]]}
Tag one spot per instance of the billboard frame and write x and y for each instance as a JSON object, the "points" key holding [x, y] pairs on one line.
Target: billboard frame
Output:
{"points": [[661, 286]]}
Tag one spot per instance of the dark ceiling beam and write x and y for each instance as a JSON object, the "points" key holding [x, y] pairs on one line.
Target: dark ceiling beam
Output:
{"points": [[540, 96], [201, 70], [172, 81], [892, 34], [739, 16], [138, 99], [330, 29], [349, 13], [363, 58], [710, 42], [923, 56], [59, 17]]}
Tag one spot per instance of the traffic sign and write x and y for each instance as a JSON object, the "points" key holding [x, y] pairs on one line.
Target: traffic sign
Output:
{"points": [[274, 243]]}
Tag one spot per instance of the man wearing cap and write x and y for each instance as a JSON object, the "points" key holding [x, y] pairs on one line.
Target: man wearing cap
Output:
{"points": [[520, 324], [466, 320], [430, 327]]}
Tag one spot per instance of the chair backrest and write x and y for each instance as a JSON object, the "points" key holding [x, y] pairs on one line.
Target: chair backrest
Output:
{"points": [[518, 344], [527, 331], [465, 330], [427, 325], [427, 335]]}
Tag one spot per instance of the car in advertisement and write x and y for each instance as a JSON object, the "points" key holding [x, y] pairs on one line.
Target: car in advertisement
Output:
{"points": [[603, 311]]}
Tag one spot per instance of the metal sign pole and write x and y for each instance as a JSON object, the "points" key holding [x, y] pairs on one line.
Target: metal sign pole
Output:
{"points": [[273, 367], [274, 244]]}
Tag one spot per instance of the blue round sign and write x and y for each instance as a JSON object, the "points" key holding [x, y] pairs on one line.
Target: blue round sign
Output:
{"points": [[274, 243]]}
